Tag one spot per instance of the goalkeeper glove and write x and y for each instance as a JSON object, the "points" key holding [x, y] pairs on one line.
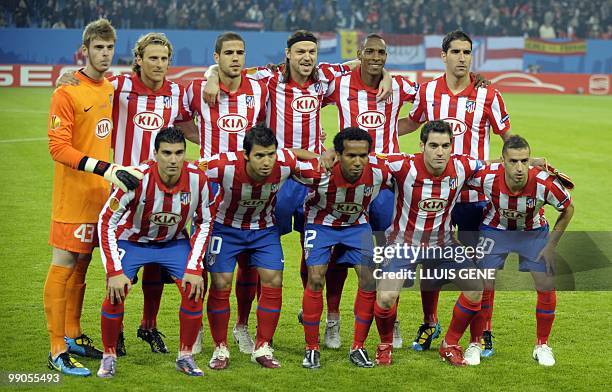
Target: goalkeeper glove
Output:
{"points": [[126, 178]]}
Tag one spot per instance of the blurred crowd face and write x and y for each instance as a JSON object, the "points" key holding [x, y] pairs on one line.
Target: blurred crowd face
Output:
{"points": [[373, 56], [458, 58], [302, 58]]}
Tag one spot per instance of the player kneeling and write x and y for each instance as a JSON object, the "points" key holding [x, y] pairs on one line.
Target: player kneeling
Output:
{"points": [[248, 181], [336, 214], [148, 225], [514, 222]]}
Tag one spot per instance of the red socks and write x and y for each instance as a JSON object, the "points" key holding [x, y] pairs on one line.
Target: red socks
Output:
{"points": [[463, 313], [429, 302], [246, 288], [268, 312], [112, 317], [152, 289], [385, 320], [480, 321], [364, 313], [218, 311], [545, 314], [312, 308], [190, 318]]}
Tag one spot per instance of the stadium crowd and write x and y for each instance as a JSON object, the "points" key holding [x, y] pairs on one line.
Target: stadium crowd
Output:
{"points": [[544, 19]]}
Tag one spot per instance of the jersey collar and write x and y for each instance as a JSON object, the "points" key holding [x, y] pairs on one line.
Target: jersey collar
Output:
{"points": [[463, 93], [356, 76], [341, 182], [139, 87], [242, 89], [526, 191]]}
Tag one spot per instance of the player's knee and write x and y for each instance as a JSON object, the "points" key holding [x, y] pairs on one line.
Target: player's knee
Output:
{"points": [[543, 282], [271, 278], [221, 281], [112, 309], [386, 299], [63, 258], [190, 304], [474, 296]]}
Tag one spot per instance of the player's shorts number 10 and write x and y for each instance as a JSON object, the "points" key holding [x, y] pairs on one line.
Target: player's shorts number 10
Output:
{"points": [[215, 245]]}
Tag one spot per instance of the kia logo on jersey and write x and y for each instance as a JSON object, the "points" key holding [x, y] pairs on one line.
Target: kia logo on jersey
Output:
{"points": [[457, 126], [103, 128], [252, 203], [305, 104], [165, 218], [232, 123], [432, 205], [371, 119], [348, 208], [511, 214], [148, 121]]}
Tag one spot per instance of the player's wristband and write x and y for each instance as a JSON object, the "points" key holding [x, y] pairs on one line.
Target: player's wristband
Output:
{"points": [[92, 165]]}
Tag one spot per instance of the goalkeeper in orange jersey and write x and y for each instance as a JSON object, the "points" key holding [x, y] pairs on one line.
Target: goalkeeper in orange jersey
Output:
{"points": [[79, 133]]}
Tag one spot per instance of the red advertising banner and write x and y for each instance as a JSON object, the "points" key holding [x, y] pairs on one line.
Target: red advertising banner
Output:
{"points": [[16, 75]]}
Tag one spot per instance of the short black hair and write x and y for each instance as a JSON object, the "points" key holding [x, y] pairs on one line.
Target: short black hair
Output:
{"points": [[259, 135], [225, 37], [437, 126], [371, 35], [454, 36], [351, 133], [170, 135], [515, 142]]}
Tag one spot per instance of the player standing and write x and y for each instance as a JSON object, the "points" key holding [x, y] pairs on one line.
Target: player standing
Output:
{"points": [[79, 141], [144, 102], [514, 222], [149, 225], [221, 127], [336, 214], [248, 183], [357, 98], [471, 113]]}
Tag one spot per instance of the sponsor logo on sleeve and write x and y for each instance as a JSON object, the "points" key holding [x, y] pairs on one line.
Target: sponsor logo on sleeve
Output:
{"points": [[55, 122], [113, 204]]}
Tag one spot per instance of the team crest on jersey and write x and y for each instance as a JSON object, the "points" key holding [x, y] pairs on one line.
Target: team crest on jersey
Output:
{"points": [[250, 101], [274, 187], [317, 87], [530, 202], [453, 183], [368, 190], [185, 198], [168, 102], [389, 100], [470, 106], [210, 259]]}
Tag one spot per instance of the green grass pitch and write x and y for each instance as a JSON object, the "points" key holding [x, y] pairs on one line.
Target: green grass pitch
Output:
{"points": [[574, 132]]}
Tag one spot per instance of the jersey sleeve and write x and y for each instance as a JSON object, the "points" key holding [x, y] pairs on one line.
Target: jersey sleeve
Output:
{"points": [[387, 177], [309, 173], [191, 96], [202, 222], [259, 73], [418, 113], [184, 111], [112, 212], [408, 89], [556, 194], [498, 117], [476, 181], [395, 162], [261, 116], [328, 72], [60, 127], [213, 167]]}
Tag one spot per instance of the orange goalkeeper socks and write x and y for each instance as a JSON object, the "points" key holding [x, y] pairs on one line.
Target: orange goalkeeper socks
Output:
{"points": [[75, 293], [54, 299]]}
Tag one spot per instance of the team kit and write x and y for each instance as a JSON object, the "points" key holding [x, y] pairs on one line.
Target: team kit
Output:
{"points": [[262, 173]]}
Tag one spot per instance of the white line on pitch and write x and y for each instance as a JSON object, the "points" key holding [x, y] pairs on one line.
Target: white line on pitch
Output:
{"points": [[29, 139]]}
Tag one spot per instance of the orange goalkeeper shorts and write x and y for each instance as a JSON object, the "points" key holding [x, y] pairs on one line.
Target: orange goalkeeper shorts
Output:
{"points": [[74, 237]]}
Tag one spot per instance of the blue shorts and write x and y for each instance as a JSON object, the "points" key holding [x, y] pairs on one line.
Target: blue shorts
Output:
{"points": [[354, 244], [290, 204], [468, 216], [499, 243], [381, 210], [170, 255], [262, 245]]}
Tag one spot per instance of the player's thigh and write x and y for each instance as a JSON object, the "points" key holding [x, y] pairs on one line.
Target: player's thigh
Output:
{"points": [[133, 256], [381, 211], [265, 249], [542, 281], [173, 257], [357, 246], [79, 238], [289, 199], [225, 244], [317, 244]]}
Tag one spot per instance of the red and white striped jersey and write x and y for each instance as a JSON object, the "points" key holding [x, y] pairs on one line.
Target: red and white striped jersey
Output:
{"points": [[154, 213], [471, 114], [241, 202], [223, 126], [357, 107], [423, 202], [333, 201], [293, 111], [523, 210], [139, 113]]}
